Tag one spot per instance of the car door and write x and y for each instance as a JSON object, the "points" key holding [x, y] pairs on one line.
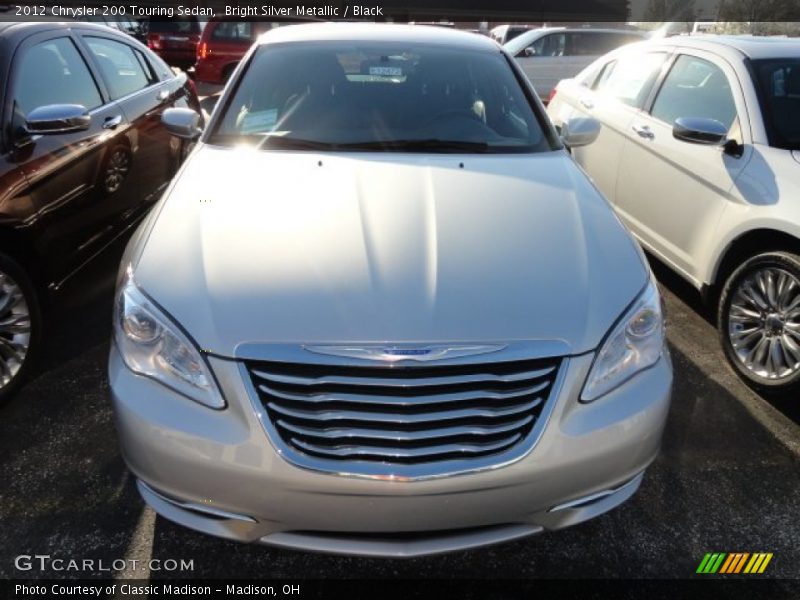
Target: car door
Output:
{"points": [[62, 170], [671, 193], [614, 97], [143, 161]]}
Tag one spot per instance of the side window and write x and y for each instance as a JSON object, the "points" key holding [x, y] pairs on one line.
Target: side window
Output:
{"points": [[588, 44], [53, 72], [232, 31], [553, 44], [119, 65], [695, 88], [630, 78]]}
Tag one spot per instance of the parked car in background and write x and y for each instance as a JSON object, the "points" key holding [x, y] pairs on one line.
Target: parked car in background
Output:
{"points": [[175, 40], [428, 332], [505, 33], [550, 54], [700, 155], [121, 23], [83, 157], [222, 46]]}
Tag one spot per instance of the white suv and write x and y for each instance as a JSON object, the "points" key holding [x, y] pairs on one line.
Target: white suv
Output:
{"points": [[699, 153]]}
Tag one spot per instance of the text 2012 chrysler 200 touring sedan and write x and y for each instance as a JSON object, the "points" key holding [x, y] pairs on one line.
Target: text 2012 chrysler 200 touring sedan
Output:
{"points": [[402, 322]]}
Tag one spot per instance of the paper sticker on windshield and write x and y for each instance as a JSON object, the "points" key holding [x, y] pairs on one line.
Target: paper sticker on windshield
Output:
{"points": [[259, 121], [386, 71]]}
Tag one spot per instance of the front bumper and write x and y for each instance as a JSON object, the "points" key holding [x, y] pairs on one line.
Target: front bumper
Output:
{"points": [[217, 472]]}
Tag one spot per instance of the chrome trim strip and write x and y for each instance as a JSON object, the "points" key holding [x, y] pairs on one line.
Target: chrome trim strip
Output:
{"points": [[408, 473], [298, 353], [193, 506], [401, 383], [410, 401], [592, 498], [382, 417], [389, 452], [404, 436]]}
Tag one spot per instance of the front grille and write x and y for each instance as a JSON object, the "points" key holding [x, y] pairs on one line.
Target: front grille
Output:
{"points": [[403, 415]]}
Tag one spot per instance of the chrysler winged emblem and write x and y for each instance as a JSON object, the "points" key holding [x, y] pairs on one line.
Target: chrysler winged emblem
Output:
{"points": [[398, 352]]}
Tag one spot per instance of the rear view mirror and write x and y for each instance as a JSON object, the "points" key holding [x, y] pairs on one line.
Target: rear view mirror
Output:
{"points": [[182, 122], [57, 118], [580, 131], [699, 131]]}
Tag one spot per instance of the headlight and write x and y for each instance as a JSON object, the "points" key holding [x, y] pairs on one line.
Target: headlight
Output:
{"points": [[634, 344], [153, 346]]}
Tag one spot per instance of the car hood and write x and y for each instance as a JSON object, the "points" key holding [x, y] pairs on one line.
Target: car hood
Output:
{"points": [[297, 247]]}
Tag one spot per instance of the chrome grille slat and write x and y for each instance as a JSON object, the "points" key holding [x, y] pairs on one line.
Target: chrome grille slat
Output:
{"points": [[401, 401], [405, 436], [402, 383], [381, 419], [392, 452]]}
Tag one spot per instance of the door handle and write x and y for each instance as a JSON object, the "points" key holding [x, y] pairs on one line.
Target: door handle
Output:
{"points": [[586, 103], [643, 131], [162, 95], [112, 122]]}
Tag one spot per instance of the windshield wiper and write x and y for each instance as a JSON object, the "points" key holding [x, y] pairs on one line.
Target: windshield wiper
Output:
{"points": [[412, 145], [421, 145], [290, 143]]}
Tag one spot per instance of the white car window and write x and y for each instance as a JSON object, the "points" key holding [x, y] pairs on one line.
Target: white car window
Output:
{"points": [[695, 88], [630, 78]]}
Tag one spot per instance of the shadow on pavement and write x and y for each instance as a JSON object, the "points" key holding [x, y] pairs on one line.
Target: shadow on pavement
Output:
{"points": [[686, 293]]}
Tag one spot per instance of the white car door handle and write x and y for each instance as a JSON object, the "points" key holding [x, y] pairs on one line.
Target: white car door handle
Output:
{"points": [[163, 95], [644, 131], [587, 103]]}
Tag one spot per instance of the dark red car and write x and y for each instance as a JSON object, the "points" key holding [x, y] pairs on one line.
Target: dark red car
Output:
{"points": [[83, 157], [222, 46], [175, 40]]}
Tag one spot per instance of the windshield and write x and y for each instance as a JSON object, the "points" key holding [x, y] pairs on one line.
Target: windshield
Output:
{"points": [[382, 97], [778, 83]]}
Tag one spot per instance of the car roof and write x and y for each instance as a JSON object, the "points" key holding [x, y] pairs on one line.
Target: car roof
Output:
{"points": [[754, 47], [384, 32], [27, 27]]}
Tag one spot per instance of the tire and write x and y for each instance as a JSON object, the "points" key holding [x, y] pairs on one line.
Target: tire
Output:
{"points": [[20, 327], [758, 318]]}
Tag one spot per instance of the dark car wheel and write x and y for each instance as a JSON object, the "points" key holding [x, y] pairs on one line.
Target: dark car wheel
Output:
{"points": [[115, 169], [759, 321], [20, 325]]}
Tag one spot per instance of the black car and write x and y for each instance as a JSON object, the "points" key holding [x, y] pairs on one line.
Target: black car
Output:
{"points": [[84, 155]]}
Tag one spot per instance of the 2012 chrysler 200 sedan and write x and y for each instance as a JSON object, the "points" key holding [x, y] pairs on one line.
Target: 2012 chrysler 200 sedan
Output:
{"points": [[381, 310]]}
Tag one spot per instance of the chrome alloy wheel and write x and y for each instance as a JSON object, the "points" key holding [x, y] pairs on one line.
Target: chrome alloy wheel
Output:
{"points": [[764, 323], [15, 329], [117, 170]]}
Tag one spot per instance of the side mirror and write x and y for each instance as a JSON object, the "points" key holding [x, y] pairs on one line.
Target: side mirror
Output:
{"points": [[529, 52], [580, 131], [182, 122], [57, 118], [699, 131]]}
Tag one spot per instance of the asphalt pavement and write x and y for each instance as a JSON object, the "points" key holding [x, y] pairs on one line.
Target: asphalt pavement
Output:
{"points": [[727, 479]]}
